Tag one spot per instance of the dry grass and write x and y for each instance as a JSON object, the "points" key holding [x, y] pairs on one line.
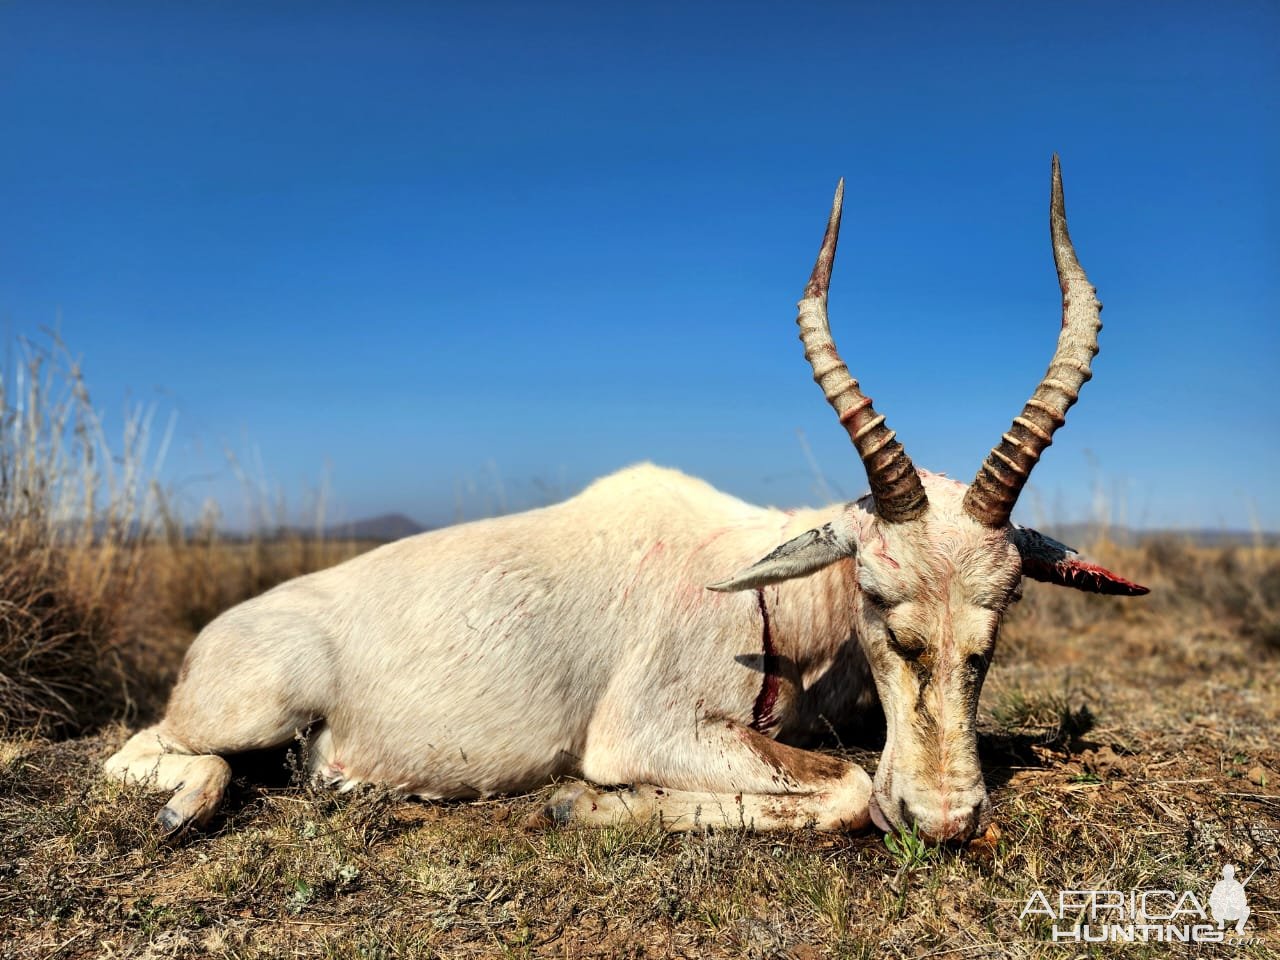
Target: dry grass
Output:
{"points": [[1127, 744], [67, 551], [101, 587]]}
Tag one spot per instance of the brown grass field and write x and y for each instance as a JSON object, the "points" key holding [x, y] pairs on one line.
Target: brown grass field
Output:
{"points": [[1128, 745]]}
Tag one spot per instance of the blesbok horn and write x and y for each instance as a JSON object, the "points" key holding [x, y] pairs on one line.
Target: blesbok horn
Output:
{"points": [[895, 485], [1000, 480]]}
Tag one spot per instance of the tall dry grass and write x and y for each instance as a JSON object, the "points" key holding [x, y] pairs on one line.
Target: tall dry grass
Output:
{"points": [[102, 585], [73, 523], [1232, 589]]}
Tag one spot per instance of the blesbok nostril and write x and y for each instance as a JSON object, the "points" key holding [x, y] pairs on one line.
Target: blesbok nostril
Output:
{"points": [[966, 827], [974, 821]]}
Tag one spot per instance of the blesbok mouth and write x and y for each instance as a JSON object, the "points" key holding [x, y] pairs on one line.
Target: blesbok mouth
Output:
{"points": [[878, 817], [956, 830]]}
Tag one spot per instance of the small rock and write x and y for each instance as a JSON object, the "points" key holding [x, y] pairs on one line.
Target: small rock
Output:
{"points": [[1258, 775]]}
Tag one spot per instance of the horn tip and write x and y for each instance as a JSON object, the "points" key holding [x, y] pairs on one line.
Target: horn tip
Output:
{"points": [[820, 279]]}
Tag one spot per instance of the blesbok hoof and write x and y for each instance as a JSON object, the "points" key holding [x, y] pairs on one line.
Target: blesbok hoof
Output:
{"points": [[565, 806], [170, 822]]}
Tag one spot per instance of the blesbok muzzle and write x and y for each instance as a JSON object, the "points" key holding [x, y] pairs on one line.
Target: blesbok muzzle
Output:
{"points": [[929, 778]]}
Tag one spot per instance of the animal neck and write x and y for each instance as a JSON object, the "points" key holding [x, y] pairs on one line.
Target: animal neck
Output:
{"points": [[812, 617]]}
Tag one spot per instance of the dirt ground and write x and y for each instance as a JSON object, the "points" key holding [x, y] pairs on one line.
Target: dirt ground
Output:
{"points": [[1128, 746]]}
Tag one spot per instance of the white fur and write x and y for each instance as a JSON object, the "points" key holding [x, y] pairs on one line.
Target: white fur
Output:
{"points": [[577, 639]]}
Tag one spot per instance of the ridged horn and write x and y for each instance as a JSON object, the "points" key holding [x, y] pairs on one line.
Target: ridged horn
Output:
{"points": [[895, 485], [1000, 480]]}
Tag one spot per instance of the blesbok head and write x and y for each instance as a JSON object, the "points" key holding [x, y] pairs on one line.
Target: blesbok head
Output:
{"points": [[938, 563]]}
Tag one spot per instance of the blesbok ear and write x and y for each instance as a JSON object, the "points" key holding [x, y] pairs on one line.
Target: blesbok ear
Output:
{"points": [[798, 557], [1045, 559]]}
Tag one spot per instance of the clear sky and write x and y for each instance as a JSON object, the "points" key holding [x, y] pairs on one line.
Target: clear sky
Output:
{"points": [[463, 255]]}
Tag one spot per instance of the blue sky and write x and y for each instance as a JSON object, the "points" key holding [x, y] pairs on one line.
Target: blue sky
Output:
{"points": [[456, 256]]}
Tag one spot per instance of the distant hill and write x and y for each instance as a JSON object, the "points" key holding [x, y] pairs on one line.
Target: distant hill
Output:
{"points": [[383, 528], [1078, 534]]}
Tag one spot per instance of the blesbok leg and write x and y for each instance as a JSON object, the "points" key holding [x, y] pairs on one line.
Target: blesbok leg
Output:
{"points": [[724, 775], [249, 681], [183, 752], [155, 758]]}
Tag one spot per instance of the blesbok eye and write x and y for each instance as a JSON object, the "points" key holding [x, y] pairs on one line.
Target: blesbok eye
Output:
{"points": [[877, 602], [905, 650]]}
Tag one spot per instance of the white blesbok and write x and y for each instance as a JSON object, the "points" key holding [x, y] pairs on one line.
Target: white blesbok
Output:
{"points": [[582, 639]]}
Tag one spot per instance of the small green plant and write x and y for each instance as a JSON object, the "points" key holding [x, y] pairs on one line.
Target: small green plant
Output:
{"points": [[303, 893], [909, 849], [152, 917]]}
